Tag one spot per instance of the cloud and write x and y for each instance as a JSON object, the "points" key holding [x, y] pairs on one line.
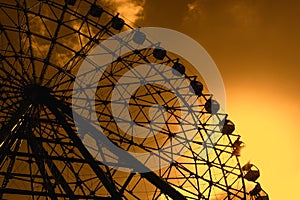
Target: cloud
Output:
{"points": [[235, 14], [166, 13], [130, 9], [244, 13], [191, 6], [194, 11]]}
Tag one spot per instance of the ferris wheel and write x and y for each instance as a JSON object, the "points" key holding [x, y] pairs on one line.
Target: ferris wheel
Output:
{"points": [[48, 139]]}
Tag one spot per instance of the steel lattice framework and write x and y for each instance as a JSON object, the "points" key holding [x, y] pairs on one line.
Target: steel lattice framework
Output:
{"points": [[42, 44]]}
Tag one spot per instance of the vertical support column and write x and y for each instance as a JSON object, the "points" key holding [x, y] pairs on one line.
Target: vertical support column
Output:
{"points": [[37, 148], [38, 155], [109, 185]]}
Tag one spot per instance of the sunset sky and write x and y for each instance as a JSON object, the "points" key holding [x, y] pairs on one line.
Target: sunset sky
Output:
{"points": [[256, 46], [44, 44]]}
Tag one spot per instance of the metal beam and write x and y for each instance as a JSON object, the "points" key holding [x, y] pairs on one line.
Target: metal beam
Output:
{"points": [[8, 173], [9, 131], [109, 185], [150, 176], [37, 149], [45, 194], [162, 185], [58, 158], [41, 165], [7, 128]]}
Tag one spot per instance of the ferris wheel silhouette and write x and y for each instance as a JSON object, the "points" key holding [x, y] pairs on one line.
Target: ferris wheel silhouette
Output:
{"points": [[48, 143]]}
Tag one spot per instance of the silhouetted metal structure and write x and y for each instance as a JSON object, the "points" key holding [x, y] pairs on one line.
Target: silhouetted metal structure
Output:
{"points": [[42, 44]]}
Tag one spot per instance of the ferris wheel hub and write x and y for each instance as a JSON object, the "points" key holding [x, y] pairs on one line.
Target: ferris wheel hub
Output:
{"points": [[36, 94]]}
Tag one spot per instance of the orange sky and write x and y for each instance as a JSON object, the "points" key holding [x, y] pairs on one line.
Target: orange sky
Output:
{"points": [[255, 44]]}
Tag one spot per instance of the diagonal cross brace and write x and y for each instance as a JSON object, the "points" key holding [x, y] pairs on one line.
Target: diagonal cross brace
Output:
{"points": [[150, 176], [37, 149], [77, 141]]}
